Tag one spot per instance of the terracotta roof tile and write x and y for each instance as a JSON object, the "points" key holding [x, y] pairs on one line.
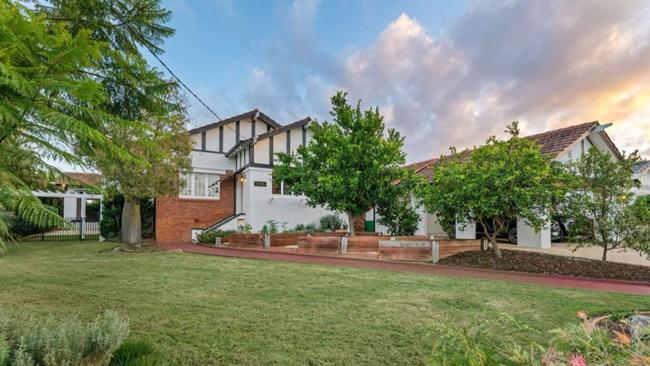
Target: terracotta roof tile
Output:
{"points": [[551, 142], [91, 179], [556, 141]]}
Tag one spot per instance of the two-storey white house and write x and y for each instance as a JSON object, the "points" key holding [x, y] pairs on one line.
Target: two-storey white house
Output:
{"points": [[231, 181]]}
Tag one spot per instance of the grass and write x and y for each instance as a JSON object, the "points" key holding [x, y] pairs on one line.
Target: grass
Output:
{"points": [[202, 310]]}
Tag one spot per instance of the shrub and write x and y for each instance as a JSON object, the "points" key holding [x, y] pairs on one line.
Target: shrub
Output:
{"points": [[331, 222], [299, 227], [209, 236], [478, 345], [66, 342], [247, 229], [271, 227], [137, 353], [475, 344]]}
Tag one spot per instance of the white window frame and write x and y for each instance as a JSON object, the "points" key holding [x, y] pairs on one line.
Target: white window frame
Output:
{"points": [[282, 194], [193, 195]]}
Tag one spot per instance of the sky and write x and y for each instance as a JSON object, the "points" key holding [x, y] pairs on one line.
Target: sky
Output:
{"points": [[442, 73]]}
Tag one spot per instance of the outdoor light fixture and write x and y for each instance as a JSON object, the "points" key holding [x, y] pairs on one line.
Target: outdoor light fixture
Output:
{"points": [[242, 178]]}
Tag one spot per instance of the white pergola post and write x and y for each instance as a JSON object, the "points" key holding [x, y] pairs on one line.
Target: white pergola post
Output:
{"points": [[528, 237]]}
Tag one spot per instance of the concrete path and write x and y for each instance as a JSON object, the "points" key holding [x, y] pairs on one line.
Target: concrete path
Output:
{"points": [[615, 255], [429, 269]]}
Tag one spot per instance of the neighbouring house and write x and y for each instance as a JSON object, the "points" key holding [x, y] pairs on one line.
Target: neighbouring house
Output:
{"points": [[231, 183], [641, 173], [564, 145], [74, 196]]}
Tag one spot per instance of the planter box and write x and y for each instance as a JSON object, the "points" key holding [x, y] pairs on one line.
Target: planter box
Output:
{"points": [[406, 250], [451, 247], [330, 245], [239, 240]]}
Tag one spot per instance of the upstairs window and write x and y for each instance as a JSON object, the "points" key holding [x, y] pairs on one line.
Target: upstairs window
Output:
{"points": [[200, 185]]}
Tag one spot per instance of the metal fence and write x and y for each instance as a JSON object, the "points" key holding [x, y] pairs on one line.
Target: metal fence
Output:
{"points": [[78, 228]]}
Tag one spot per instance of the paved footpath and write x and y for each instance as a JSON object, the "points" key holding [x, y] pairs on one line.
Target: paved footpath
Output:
{"points": [[629, 287]]}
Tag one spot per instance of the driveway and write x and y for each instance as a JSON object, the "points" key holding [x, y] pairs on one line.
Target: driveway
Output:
{"points": [[615, 255]]}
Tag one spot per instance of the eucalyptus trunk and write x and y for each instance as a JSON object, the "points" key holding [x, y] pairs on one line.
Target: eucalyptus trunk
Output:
{"points": [[131, 223]]}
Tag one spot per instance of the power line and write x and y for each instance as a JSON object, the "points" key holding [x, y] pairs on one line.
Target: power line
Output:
{"points": [[181, 82]]}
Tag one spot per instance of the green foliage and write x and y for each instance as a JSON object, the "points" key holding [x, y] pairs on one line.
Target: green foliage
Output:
{"points": [[398, 205], [271, 227], [495, 183], [246, 229], [208, 237], [347, 163], [137, 353], [64, 342], [47, 110], [77, 90], [137, 92], [573, 345], [474, 344], [19, 227], [601, 205], [331, 222]]}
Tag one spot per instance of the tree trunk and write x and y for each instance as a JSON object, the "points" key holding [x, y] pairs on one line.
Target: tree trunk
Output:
{"points": [[604, 259], [351, 224], [131, 224]]}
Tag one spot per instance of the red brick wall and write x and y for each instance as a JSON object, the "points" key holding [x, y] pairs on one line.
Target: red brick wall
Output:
{"points": [[176, 217]]}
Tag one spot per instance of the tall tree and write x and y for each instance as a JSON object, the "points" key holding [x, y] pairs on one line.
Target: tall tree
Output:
{"points": [[136, 92], [348, 163], [494, 184], [601, 205], [48, 109]]}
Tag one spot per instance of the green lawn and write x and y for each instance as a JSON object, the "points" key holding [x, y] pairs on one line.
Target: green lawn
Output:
{"points": [[203, 310]]}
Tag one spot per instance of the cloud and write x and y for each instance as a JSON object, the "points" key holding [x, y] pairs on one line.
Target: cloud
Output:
{"points": [[546, 64]]}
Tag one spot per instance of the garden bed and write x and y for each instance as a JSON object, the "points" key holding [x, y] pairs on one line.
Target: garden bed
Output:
{"points": [[521, 261]]}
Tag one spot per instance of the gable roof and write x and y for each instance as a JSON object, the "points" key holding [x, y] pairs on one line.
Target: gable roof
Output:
{"points": [[244, 143], [290, 126], [553, 142], [557, 141], [238, 117]]}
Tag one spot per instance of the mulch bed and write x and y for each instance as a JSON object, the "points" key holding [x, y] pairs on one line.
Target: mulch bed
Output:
{"points": [[519, 261]]}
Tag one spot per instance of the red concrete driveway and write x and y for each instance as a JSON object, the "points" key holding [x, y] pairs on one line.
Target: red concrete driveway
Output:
{"points": [[629, 287]]}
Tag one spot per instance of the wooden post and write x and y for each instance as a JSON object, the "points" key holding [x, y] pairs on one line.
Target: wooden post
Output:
{"points": [[435, 251], [267, 241]]}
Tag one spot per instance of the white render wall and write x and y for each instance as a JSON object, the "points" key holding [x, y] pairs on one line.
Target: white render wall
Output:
{"points": [[211, 162], [261, 206]]}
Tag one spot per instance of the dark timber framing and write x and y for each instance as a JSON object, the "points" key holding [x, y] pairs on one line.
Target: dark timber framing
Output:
{"points": [[236, 132], [304, 136], [288, 141], [271, 150], [220, 139], [223, 122], [203, 140]]}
